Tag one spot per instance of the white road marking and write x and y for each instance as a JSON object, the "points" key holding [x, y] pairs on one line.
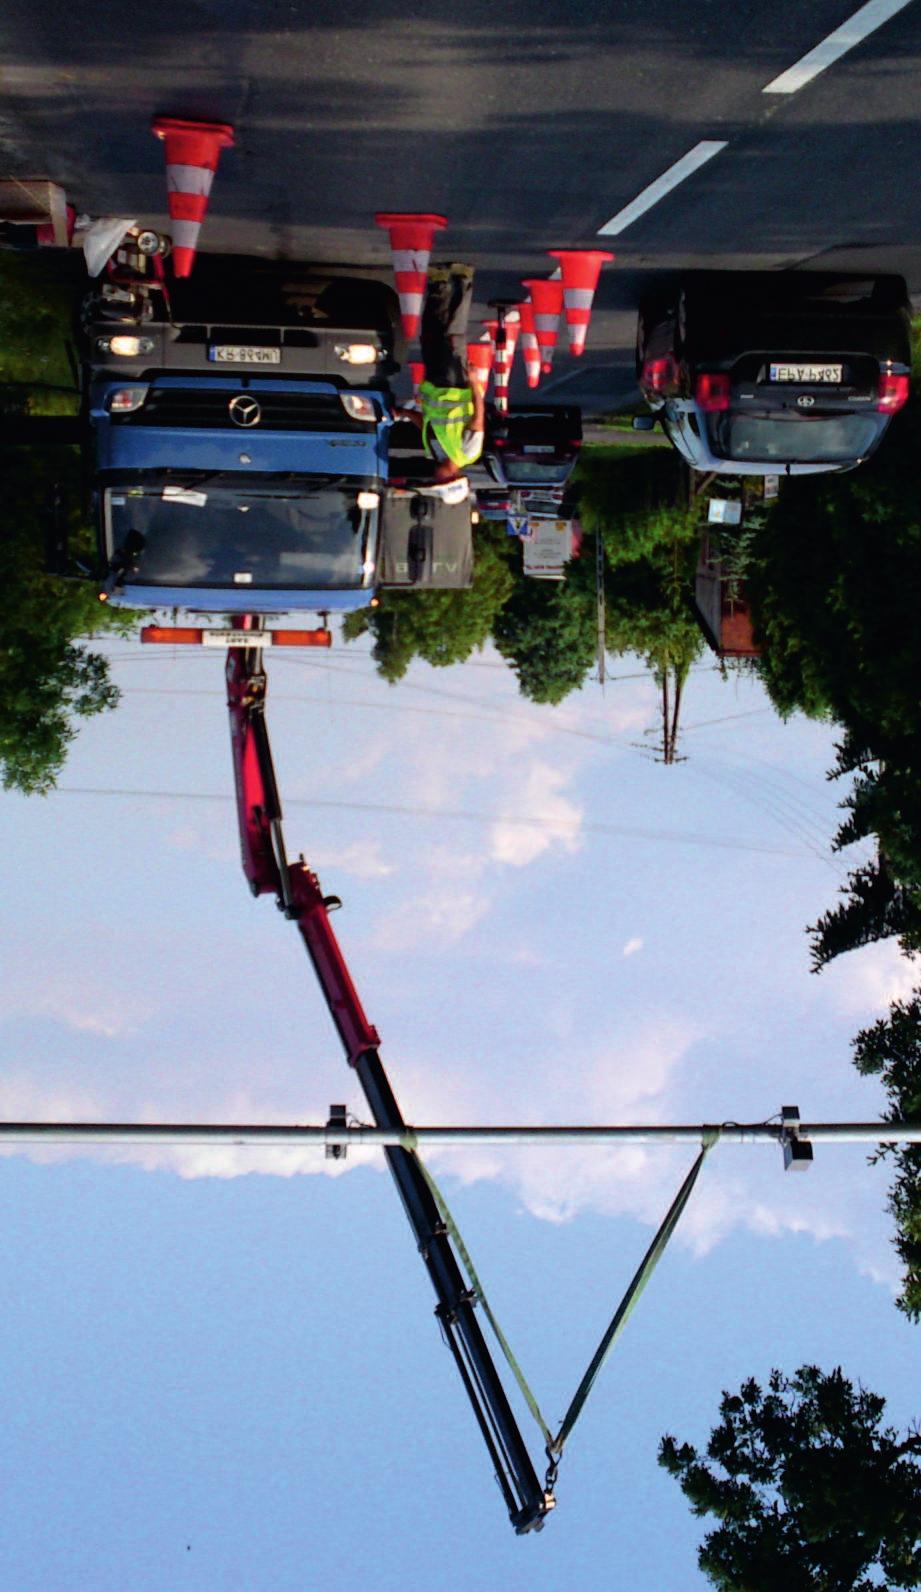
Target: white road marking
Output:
{"points": [[858, 27], [685, 167]]}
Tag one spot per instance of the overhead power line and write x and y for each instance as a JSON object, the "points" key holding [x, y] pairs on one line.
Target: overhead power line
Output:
{"points": [[538, 821]]}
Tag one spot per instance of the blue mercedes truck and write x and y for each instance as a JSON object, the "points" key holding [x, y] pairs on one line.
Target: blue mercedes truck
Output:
{"points": [[237, 435]]}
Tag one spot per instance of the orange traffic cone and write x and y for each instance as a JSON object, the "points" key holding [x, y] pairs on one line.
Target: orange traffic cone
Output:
{"points": [[193, 150], [530, 347], [411, 238], [417, 374], [547, 304], [490, 328], [479, 363], [581, 269], [512, 333], [505, 353]]}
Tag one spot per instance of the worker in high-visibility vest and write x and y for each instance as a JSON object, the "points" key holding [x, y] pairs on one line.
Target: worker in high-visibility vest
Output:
{"points": [[451, 412]]}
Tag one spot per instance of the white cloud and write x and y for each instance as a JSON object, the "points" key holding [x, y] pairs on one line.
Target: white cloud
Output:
{"points": [[539, 797], [864, 983], [361, 858], [632, 946], [433, 921], [84, 997]]}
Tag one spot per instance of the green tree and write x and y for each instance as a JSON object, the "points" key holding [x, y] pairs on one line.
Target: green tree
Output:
{"points": [[648, 614], [441, 627], [48, 679], [833, 580], [812, 1493], [636, 499], [547, 632], [882, 897], [891, 1050], [873, 906]]}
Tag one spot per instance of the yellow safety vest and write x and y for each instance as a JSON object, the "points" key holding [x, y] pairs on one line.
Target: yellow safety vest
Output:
{"points": [[446, 413]]}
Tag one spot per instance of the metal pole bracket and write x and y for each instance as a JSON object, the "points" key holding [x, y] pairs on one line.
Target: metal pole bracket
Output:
{"points": [[797, 1152]]}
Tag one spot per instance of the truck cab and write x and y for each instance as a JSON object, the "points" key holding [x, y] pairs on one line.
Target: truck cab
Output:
{"points": [[238, 439]]}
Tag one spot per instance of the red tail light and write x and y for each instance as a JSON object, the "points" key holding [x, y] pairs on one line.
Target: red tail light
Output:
{"points": [[170, 635], [711, 392], [660, 374], [302, 638], [891, 393]]}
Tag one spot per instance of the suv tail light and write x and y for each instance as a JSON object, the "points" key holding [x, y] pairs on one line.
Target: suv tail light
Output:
{"points": [[660, 375], [711, 392], [891, 393]]}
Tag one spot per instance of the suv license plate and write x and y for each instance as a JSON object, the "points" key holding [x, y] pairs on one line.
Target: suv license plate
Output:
{"points": [[243, 354], [808, 373]]}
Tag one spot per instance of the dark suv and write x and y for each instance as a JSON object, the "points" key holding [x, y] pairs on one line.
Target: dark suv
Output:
{"points": [[756, 373], [534, 445]]}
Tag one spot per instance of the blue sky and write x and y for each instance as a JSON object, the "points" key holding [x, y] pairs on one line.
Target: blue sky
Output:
{"points": [[224, 1366]]}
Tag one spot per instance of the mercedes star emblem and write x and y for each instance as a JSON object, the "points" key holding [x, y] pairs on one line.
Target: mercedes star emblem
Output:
{"points": [[805, 400], [244, 411]]}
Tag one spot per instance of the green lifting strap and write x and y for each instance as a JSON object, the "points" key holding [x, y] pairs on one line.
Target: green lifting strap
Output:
{"points": [[625, 1308], [653, 1255], [477, 1287]]}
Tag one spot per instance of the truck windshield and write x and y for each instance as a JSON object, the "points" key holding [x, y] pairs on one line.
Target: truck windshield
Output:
{"points": [[825, 439], [306, 533]]}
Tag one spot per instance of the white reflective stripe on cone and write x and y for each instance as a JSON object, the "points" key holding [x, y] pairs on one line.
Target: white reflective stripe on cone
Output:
{"points": [[578, 298], [184, 234], [189, 179], [411, 259], [411, 303], [546, 323], [577, 337]]}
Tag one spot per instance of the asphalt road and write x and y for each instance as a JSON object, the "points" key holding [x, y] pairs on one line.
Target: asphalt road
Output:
{"points": [[528, 124]]}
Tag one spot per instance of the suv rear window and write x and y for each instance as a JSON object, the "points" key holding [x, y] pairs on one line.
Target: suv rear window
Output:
{"points": [[822, 439]]}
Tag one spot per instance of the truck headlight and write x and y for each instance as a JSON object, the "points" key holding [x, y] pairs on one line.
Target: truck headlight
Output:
{"points": [[126, 399], [358, 353], [358, 407], [124, 347], [368, 500]]}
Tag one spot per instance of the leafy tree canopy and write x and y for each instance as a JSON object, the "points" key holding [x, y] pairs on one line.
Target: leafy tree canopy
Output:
{"points": [[48, 680], [547, 632], [833, 581], [812, 1493], [891, 1049], [636, 500]]}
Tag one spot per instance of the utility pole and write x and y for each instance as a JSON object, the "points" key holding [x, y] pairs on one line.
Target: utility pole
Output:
{"points": [[599, 598]]}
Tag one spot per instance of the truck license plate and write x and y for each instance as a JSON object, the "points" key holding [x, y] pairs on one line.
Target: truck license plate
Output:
{"points": [[235, 638], [243, 354], [807, 373]]}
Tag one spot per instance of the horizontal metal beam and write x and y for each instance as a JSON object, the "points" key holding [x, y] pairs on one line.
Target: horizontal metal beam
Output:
{"points": [[411, 1138]]}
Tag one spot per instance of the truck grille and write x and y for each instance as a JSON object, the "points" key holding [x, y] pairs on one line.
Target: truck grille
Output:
{"points": [[208, 409]]}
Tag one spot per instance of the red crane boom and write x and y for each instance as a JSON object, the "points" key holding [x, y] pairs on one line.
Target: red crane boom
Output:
{"points": [[298, 894]]}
